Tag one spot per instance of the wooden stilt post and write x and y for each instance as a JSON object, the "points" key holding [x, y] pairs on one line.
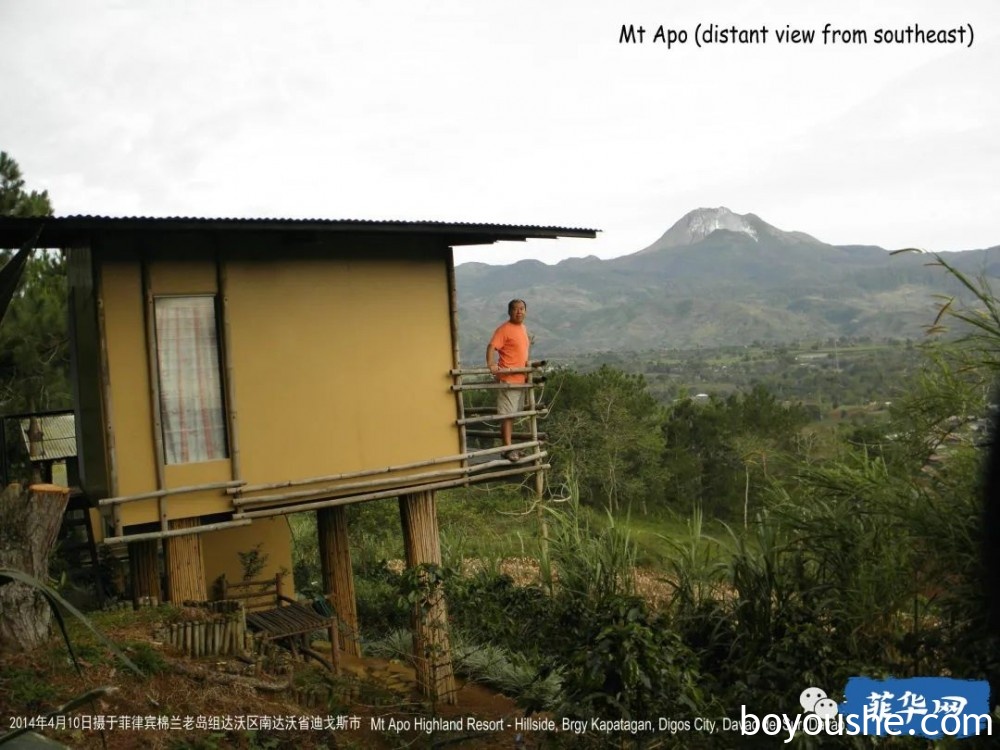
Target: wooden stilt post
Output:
{"points": [[185, 566], [338, 578], [144, 570], [431, 645]]}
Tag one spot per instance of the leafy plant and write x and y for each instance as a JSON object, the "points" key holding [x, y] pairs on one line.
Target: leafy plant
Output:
{"points": [[252, 561]]}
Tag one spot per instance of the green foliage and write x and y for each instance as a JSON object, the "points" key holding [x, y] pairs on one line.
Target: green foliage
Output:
{"points": [[34, 351], [26, 689], [592, 565], [306, 569], [376, 591], [605, 429], [721, 453], [375, 534], [489, 608], [626, 663], [421, 586], [508, 671], [693, 567], [34, 342], [979, 319], [252, 561], [14, 201], [147, 658]]}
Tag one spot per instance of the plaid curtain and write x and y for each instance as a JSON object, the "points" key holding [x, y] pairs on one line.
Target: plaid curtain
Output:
{"points": [[191, 406]]}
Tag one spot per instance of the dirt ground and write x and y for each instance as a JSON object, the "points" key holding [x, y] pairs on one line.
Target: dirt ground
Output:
{"points": [[372, 704], [221, 702]]}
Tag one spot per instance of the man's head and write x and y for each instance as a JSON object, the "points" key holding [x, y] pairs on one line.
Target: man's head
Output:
{"points": [[516, 309]]}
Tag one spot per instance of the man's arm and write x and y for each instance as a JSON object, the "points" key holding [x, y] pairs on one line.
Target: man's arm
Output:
{"points": [[489, 359]]}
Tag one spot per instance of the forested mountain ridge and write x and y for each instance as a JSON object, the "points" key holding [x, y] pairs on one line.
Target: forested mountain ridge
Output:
{"points": [[714, 278]]}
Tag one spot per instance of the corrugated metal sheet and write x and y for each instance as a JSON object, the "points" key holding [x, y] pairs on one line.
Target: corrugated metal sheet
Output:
{"points": [[63, 231], [58, 439]]}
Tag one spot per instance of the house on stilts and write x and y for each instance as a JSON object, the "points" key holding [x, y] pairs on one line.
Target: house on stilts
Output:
{"points": [[228, 372]]}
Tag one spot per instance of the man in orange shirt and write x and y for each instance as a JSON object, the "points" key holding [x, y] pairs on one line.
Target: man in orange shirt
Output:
{"points": [[510, 342]]}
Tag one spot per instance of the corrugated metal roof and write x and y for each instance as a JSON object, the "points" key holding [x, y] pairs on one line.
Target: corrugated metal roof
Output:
{"points": [[58, 437], [62, 231]]}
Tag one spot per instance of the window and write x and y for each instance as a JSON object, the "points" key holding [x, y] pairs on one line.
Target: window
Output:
{"points": [[192, 411]]}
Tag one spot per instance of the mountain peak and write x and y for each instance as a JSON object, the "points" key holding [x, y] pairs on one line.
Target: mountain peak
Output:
{"points": [[696, 225]]}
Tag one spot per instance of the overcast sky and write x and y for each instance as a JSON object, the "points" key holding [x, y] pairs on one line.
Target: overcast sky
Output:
{"points": [[516, 112]]}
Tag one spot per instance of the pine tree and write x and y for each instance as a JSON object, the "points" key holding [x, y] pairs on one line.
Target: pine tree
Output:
{"points": [[34, 355]]}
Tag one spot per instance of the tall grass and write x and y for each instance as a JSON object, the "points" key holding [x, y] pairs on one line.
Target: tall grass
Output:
{"points": [[594, 565]]}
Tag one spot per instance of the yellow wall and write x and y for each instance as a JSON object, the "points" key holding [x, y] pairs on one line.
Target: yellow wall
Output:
{"points": [[220, 548], [124, 325], [340, 360], [340, 366]]}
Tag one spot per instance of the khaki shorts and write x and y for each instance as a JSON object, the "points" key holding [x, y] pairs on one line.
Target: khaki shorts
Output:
{"points": [[510, 400]]}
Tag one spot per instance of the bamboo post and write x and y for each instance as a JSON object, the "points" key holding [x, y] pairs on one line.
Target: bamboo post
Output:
{"points": [[227, 363], [456, 355], [543, 524], [106, 406], [539, 475], [338, 578], [152, 365], [184, 563], [431, 647], [144, 570]]}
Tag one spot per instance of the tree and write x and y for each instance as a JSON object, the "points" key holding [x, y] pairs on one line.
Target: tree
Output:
{"points": [[605, 428], [33, 374], [30, 523], [14, 201], [711, 447], [34, 343]]}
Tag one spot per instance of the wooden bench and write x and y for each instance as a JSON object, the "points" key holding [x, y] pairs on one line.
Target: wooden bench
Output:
{"points": [[273, 616]]}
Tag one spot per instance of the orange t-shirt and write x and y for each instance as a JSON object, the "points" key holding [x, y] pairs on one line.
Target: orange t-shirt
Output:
{"points": [[511, 341]]}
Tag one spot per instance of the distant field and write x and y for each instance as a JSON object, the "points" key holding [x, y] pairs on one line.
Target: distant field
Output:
{"points": [[823, 373]]}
